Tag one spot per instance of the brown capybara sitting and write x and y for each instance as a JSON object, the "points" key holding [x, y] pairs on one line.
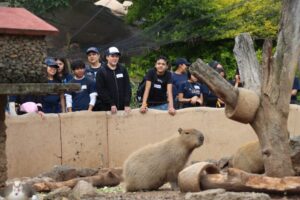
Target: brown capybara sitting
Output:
{"points": [[249, 158], [154, 165]]}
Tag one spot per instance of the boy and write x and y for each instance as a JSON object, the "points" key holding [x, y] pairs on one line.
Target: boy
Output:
{"points": [[85, 98], [113, 85]]}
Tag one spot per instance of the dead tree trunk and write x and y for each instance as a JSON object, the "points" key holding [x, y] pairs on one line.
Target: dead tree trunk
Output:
{"points": [[272, 83]]}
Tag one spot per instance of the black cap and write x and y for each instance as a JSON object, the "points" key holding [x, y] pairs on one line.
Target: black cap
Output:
{"points": [[180, 61], [92, 49]]}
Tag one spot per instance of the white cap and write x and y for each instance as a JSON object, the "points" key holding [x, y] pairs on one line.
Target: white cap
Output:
{"points": [[113, 50]]}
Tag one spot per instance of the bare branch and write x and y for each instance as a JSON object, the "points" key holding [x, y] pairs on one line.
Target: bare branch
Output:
{"points": [[247, 62]]}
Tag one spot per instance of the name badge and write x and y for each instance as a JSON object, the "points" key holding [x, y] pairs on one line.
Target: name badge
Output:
{"points": [[196, 87], [119, 75], [83, 87], [157, 86]]}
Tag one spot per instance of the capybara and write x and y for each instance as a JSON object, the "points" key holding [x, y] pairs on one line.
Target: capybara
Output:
{"points": [[249, 158], [154, 165]]}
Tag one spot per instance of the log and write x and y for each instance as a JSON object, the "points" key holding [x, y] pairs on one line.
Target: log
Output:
{"points": [[37, 88], [239, 181], [203, 176], [215, 82], [106, 179]]}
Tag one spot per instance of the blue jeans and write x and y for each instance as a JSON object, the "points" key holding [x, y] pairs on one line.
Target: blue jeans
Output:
{"points": [[160, 107]]}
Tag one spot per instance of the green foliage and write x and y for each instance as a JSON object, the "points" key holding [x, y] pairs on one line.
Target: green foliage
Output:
{"points": [[201, 28], [39, 6]]}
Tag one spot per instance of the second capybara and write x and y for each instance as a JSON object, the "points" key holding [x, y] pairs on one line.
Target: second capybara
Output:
{"points": [[249, 158], [156, 164]]}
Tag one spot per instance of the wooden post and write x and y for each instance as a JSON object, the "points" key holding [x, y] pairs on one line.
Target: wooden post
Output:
{"points": [[3, 160]]}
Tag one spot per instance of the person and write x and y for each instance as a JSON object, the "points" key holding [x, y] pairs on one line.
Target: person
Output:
{"points": [[85, 98], [63, 70], [113, 84], [179, 77], [158, 89], [29, 104], [94, 62], [220, 103], [296, 87], [215, 65], [237, 79], [189, 94], [53, 103]]}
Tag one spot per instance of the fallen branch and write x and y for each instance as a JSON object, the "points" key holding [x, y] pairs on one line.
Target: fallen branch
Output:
{"points": [[105, 179], [206, 176]]}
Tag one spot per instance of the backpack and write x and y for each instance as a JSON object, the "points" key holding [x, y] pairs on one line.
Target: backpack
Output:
{"points": [[140, 91]]}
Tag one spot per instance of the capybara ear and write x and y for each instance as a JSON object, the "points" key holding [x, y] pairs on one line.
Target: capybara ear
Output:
{"points": [[180, 130]]}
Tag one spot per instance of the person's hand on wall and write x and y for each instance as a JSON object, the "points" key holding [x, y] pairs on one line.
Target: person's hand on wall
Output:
{"points": [[42, 114], [143, 109], [172, 111], [113, 109], [127, 109]]}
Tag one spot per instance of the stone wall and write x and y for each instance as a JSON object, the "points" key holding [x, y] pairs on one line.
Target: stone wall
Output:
{"points": [[21, 59]]}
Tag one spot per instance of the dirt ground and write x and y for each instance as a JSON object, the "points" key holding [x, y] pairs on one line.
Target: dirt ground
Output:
{"points": [[165, 193], [162, 195]]}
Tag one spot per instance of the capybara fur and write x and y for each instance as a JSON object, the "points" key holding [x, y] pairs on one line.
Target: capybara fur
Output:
{"points": [[152, 166], [249, 158]]}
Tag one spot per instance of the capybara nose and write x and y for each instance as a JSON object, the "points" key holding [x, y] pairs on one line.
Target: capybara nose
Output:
{"points": [[201, 138]]}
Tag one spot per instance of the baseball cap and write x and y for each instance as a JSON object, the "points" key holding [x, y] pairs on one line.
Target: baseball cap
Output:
{"points": [[92, 49], [113, 50], [51, 62], [213, 64], [180, 61]]}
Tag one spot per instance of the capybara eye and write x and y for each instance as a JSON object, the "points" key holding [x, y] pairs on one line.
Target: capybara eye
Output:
{"points": [[187, 133]]}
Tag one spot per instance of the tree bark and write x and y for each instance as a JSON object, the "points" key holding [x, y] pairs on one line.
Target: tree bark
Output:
{"points": [[272, 83]]}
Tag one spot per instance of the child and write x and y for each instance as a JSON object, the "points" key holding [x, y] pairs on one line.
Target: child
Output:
{"points": [[85, 98]]}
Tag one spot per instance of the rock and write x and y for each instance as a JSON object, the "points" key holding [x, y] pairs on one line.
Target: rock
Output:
{"points": [[82, 189], [58, 193], [61, 173], [86, 172]]}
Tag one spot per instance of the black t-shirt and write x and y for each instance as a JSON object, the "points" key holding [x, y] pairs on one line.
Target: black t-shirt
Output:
{"points": [[158, 91]]}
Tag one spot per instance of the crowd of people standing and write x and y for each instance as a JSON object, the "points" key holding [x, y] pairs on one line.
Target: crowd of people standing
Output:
{"points": [[105, 86]]}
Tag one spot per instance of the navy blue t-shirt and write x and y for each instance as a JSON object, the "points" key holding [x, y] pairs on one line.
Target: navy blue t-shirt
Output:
{"points": [[81, 99], [51, 102], [190, 90], [66, 78], [177, 81], [210, 99], [158, 91]]}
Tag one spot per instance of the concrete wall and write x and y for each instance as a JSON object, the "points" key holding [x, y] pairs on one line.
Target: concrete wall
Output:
{"points": [[99, 139]]}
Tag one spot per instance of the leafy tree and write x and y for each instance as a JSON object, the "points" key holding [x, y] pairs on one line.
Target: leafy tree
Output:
{"points": [[201, 28]]}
